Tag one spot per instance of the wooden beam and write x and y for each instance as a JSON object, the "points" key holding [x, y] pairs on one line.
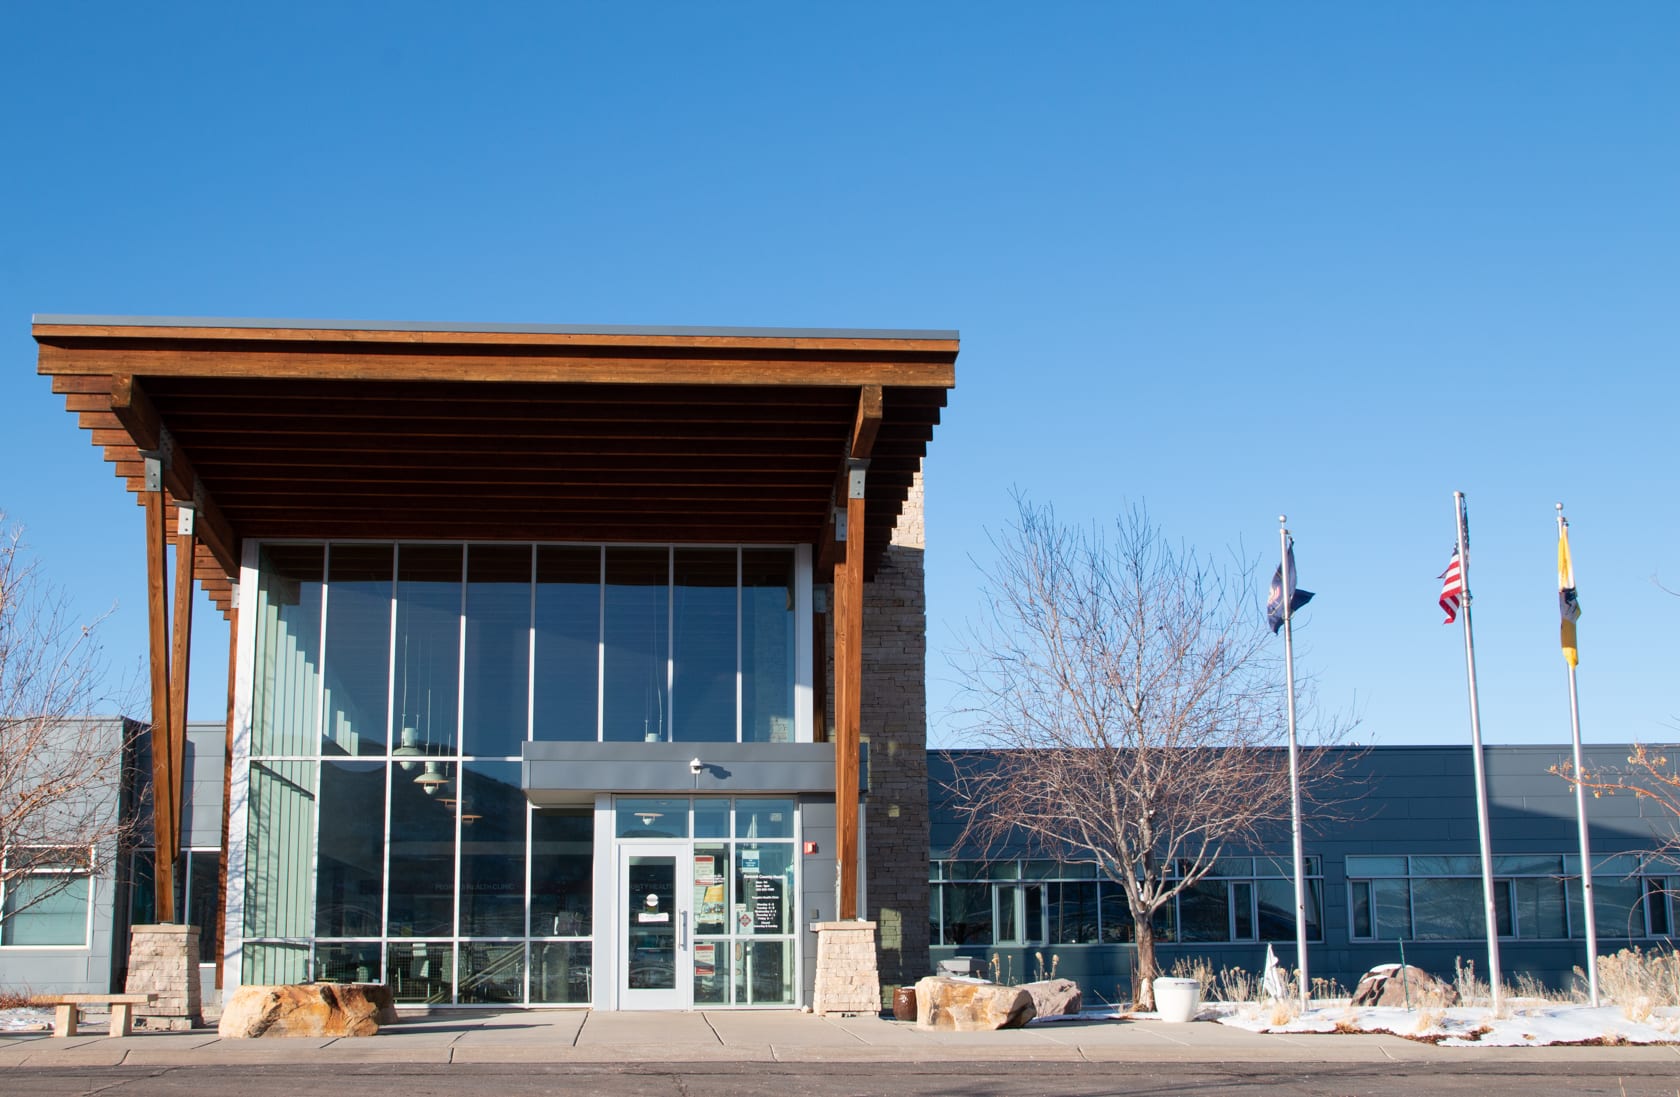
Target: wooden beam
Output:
{"points": [[868, 422], [134, 409], [389, 364], [164, 838]]}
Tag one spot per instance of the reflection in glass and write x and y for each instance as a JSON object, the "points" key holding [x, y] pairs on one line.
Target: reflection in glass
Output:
{"points": [[263, 963], [764, 973], [421, 971], [562, 872], [347, 962], [711, 818], [560, 972], [650, 818], [650, 904], [703, 645], [358, 648], [712, 963], [767, 645], [1277, 909], [568, 644], [711, 889], [349, 858], [636, 648], [498, 650], [1073, 912], [283, 705], [1205, 911], [492, 972], [422, 875], [764, 818], [492, 852], [279, 868], [428, 644]]}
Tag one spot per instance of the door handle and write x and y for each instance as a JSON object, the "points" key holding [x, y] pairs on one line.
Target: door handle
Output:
{"points": [[682, 929]]}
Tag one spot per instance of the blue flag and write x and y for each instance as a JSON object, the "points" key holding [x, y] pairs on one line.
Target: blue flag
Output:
{"points": [[1274, 600]]}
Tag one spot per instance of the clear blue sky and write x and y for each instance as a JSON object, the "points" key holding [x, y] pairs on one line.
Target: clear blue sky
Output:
{"points": [[1225, 259]]}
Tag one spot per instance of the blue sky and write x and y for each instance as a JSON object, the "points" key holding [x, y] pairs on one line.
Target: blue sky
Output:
{"points": [[1224, 259]]}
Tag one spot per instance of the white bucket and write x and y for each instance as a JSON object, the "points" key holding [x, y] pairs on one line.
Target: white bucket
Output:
{"points": [[1177, 1000]]}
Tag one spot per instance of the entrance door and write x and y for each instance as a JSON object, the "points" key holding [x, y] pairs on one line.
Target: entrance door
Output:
{"points": [[655, 949]]}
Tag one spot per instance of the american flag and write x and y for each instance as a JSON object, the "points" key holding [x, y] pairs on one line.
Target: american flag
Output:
{"points": [[1452, 588]]}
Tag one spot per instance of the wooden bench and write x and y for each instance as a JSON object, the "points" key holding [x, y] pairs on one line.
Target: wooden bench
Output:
{"points": [[65, 1007]]}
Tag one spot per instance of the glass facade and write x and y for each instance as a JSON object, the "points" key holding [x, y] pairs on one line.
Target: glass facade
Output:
{"points": [[49, 905], [1048, 903], [387, 834], [1536, 897]]}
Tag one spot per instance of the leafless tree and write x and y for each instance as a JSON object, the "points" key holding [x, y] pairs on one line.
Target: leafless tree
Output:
{"points": [[1135, 702], [1648, 777], [60, 764]]}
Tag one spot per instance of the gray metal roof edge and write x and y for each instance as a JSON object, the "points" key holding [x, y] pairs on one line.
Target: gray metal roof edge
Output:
{"points": [[524, 329]]}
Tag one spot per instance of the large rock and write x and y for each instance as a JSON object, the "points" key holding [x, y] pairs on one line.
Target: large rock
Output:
{"points": [[1055, 997], [964, 1005], [1384, 986], [310, 1009]]}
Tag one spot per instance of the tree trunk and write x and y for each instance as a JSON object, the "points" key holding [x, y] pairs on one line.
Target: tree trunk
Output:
{"points": [[1144, 970]]}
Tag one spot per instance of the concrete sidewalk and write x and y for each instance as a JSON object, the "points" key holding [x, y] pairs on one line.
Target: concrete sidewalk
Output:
{"points": [[580, 1036]]}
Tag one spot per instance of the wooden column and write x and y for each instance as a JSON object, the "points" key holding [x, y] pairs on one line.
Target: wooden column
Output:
{"points": [[227, 788], [180, 658], [163, 763], [848, 690]]}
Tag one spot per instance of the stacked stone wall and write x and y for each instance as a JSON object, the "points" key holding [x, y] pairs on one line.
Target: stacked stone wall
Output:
{"points": [[894, 724]]}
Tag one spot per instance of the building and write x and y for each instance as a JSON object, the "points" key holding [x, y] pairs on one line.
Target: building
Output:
{"points": [[1393, 868], [562, 657]]}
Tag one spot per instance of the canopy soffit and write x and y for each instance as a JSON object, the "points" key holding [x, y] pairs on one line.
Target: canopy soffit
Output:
{"points": [[311, 430]]}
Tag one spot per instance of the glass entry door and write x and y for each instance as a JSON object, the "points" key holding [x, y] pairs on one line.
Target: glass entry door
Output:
{"points": [[655, 926]]}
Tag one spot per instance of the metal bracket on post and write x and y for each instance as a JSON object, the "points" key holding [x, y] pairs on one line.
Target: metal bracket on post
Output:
{"points": [[154, 470], [184, 513], [840, 524], [855, 470]]}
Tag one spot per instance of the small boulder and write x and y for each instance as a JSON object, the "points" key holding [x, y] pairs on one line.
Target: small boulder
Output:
{"points": [[1384, 985], [1055, 997], [309, 1009], [967, 1005]]}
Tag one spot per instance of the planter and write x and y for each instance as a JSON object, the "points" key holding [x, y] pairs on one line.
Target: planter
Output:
{"points": [[1177, 1000]]}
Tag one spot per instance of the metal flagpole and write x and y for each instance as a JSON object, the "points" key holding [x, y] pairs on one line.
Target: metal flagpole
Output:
{"points": [[1294, 769], [1495, 977], [1580, 793]]}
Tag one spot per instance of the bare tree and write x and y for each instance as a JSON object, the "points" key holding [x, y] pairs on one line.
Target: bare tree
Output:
{"points": [[1648, 777], [1136, 704], [60, 764]]}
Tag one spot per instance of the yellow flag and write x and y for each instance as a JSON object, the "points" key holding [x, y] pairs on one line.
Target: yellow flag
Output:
{"points": [[1569, 609]]}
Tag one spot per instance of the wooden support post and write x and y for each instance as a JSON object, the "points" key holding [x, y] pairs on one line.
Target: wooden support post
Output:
{"points": [[227, 793], [157, 613], [848, 690], [180, 658]]}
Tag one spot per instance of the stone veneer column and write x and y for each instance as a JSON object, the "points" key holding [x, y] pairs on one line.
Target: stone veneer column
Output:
{"points": [[846, 978], [163, 960], [894, 720]]}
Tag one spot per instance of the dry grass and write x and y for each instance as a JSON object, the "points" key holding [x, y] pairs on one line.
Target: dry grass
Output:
{"points": [[1639, 982], [1236, 985], [15, 999], [1197, 968]]}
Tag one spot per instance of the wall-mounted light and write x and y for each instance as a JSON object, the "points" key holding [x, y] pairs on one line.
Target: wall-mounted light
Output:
{"points": [[432, 779]]}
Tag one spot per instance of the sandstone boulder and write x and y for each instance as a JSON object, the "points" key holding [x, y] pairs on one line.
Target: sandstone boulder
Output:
{"points": [[966, 1005], [310, 1009], [1384, 986], [1055, 997]]}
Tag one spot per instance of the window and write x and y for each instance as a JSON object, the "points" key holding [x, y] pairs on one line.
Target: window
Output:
{"points": [[48, 904], [1242, 899], [1536, 897]]}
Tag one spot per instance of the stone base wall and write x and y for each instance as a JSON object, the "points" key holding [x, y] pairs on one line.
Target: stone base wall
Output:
{"points": [[847, 979], [163, 960]]}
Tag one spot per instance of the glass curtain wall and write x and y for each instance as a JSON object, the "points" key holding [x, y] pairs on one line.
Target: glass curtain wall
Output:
{"points": [[388, 836]]}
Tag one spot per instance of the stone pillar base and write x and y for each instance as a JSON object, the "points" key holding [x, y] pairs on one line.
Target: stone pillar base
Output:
{"points": [[848, 978], [163, 960]]}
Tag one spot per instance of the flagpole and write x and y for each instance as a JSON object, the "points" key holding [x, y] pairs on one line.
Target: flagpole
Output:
{"points": [[1495, 977], [1294, 768], [1581, 802]]}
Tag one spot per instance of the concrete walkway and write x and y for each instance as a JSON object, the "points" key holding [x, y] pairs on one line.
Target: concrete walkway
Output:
{"points": [[578, 1037]]}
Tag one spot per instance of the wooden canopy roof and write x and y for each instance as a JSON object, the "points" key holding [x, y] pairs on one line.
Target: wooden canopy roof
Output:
{"points": [[293, 429]]}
